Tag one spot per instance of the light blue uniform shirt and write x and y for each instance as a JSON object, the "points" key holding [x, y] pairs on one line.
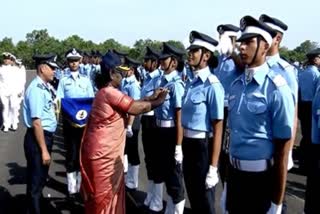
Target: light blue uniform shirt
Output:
{"points": [[287, 71], [203, 102], [308, 82], [226, 72], [85, 70], [149, 84], [58, 73], [78, 87], [66, 72], [173, 100], [131, 87], [316, 117], [38, 103], [259, 112]]}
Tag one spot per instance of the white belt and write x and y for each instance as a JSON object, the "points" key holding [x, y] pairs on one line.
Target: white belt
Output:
{"points": [[250, 165], [165, 123], [150, 113], [196, 134]]}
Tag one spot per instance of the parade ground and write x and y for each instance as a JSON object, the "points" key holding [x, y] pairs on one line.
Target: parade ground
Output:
{"points": [[13, 182]]}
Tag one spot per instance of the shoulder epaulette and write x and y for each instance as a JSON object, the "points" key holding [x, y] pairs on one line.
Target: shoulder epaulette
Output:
{"points": [[284, 64], [39, 85], [277, 79]]}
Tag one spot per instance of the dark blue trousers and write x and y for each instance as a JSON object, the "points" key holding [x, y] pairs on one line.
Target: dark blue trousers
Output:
{"points": [[37, 173], [148, 125], [166, 169], [196, 160]]}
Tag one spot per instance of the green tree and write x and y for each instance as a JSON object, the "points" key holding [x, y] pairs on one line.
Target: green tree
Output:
{"points": [[6, 45], [24, 51], [306, 47]]}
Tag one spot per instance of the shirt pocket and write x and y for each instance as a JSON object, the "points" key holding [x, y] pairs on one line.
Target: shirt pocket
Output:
{"points": [[198, 98], [82, 86], [256, 105], [68, 87]]}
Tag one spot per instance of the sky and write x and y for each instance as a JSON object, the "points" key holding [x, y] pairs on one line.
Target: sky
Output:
{"points": [[129, 20]]}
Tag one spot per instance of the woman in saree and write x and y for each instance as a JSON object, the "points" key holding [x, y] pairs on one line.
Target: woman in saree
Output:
{"points": [[103, 142]]}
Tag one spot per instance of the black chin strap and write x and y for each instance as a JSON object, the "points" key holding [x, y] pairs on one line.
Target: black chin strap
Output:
{"points": [[256, 53], [202, 53], [169, 64]]}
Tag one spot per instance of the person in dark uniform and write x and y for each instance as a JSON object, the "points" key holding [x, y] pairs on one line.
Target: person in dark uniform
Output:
{"points": [[202, 121], [131, 87], [168, 138], [261, 115], [312, 204], [226, 72], [40, 120], [148, 121], [308, 79]]}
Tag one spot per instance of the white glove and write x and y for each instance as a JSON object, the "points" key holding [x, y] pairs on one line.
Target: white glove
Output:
{"points": [[223, 199], [129, 131], [275, 209], [290, 161], [212, 177], [178, 154]]}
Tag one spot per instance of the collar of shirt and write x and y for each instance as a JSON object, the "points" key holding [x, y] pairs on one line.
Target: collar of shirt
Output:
{"points": [[312, 68], [224, 57], [271, 60], [204, 73], [259, 73], [154, 74], [74, 74], [46, 85], [130, 79], [170, 76]]}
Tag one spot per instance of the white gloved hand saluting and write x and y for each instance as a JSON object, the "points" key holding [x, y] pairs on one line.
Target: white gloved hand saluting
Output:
{"points": [[129, 132], [212, 177], [275, 209], [178, 154]]}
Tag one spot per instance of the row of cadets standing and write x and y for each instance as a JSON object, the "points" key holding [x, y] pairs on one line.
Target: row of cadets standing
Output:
{"points": [[148, 126], [73, 85], [169, 133], [226, 71], [308, 79], [310, 76], [41, 122], [131, 87], [12, 82], [202, 121], [261, 118]]}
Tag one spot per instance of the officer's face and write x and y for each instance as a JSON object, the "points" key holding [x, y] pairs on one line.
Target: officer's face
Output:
{"points": [[147, 64], [248, 50], [85, 60], [194, 57], [317, 60], [168, 64], [47, 72], [7, 61], [117, 77], [73, 64]]}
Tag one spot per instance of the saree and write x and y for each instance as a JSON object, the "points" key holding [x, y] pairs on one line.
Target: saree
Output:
{"points": [[101, 153]]}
